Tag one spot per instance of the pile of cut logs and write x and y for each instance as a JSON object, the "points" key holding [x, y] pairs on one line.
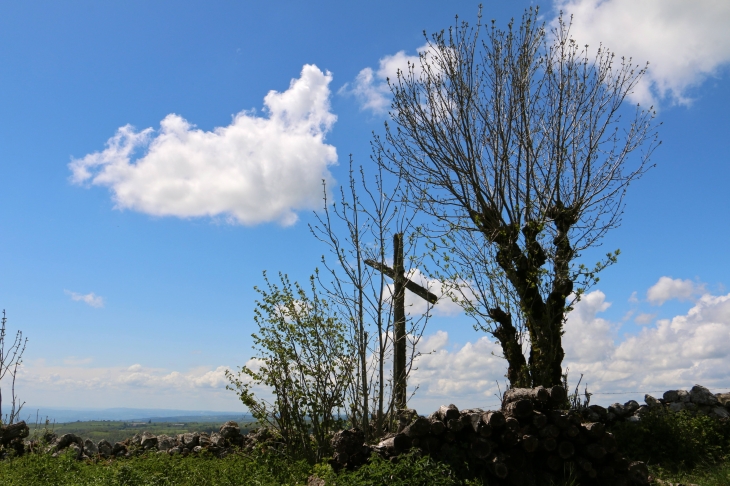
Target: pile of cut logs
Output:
{"points": [[528, 442]]}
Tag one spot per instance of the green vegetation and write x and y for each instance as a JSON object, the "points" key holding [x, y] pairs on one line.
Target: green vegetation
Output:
{"points": [[261, 469], [411, 469], [706, 475], [676, 442], [153, 469], [116, 431], [306, 360]]}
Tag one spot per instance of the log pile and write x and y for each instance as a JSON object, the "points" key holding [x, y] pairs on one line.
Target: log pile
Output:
{"points": [[528, 442]]}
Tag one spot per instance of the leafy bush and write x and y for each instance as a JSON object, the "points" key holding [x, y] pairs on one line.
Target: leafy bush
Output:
{"points": [[674, 440], [305, 360], [410, 470]]}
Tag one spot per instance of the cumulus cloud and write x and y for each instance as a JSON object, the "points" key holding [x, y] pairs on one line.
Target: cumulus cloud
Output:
{"points": [[257, 169], [587, 336], [371, 86], [466, 374], [665, 354], [91, 298], [685, 42], [670, 353], [668, 289]]}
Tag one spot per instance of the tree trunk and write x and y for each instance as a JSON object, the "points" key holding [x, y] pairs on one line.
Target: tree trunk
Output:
{"points": [[543, 317]]}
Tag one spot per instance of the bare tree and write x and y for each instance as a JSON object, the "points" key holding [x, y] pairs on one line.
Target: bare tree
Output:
{"points": [[10, 360], [519, 146], [359, 228]]}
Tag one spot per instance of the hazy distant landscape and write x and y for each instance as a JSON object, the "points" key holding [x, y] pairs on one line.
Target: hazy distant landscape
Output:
{"points": [[64, 415]]}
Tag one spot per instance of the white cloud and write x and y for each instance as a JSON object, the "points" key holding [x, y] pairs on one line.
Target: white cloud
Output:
{"points": [[685, 42], [588, 337], [371, 87], [254, 170], [668, 354], [78, 385], [75, 361], [372, 91], [465, 375], [91, 298], [74, 375], [668, 288]]}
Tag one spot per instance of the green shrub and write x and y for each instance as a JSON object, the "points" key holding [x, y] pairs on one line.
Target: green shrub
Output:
{"points": [[305, 361], [674, 440], [410, 470]]}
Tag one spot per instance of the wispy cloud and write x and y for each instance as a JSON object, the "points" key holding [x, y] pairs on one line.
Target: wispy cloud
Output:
{"points": [[684, 42], [466, 374], [644, 318], [257, 169], [370, 87], [79, 383], [91, 298], [75, 375], [75, 361]]}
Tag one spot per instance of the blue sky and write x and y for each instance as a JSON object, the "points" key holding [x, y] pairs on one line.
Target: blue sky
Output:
{"points": [[133, 296]]}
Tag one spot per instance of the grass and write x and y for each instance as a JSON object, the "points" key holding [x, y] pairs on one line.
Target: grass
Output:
{"points": [[261, 469], [264, 469], [717, 474], [153, 470], [258, 469]]}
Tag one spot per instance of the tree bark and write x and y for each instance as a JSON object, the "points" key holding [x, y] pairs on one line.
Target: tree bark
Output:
{"points": [[506, 333]]}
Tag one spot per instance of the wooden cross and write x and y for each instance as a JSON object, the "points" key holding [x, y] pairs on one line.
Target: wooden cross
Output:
{"points": [[400, 283]]}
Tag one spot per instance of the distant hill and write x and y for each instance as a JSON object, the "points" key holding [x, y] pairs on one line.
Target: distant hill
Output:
{"points": [[62, 415]]}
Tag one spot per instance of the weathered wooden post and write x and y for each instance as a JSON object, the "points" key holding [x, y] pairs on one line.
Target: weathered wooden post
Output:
{"points": [[400, 284]]}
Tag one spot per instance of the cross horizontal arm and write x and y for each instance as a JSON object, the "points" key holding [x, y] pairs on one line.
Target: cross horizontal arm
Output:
{"points": [[412, 286]]}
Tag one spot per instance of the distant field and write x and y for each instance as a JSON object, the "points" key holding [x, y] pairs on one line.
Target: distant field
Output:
{"points": [[115, 431]]}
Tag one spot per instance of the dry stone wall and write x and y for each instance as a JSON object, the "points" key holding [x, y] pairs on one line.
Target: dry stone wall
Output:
{"points": [[698, 400], [219, 444], [528, 442]]}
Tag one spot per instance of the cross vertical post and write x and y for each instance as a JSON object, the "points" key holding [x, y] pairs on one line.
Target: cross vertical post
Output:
{"points": [[399, 324], [400, 284]]}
